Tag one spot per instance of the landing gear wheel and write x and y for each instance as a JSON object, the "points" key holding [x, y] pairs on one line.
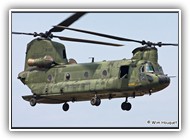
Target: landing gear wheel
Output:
{"points": [[65, 107], [98, 102], [95, 101], [126, 106], [32, 101]]}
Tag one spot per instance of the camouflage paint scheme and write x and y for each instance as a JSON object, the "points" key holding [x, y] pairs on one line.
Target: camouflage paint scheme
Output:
{"points": [[58, 80]]}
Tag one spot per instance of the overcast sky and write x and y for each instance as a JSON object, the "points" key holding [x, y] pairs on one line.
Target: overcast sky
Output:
{"points": [[155, 27]]}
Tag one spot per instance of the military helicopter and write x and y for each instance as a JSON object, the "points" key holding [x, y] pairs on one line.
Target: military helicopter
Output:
{"points": [[53, 79]]}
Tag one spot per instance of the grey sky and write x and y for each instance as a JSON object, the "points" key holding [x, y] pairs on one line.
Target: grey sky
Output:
{"points": [[161, 106]]}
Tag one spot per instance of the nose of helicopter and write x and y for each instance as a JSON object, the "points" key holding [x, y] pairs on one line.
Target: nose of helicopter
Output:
{"points": [[164, 80], [160, 82]]}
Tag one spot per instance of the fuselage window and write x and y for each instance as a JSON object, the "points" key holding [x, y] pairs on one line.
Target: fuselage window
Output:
{"points": [[49, 78], [86, 74], [104, 73], [68, 76]]}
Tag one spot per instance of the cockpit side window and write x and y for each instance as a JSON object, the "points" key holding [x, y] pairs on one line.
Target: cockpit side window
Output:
{"points": [[142, 69]]}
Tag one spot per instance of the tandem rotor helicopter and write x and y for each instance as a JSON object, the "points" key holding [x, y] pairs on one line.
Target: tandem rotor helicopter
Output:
{"points": [[54, 79]]}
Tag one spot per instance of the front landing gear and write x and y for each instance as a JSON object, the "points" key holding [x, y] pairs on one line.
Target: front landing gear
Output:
{"points": [[126, 105]]}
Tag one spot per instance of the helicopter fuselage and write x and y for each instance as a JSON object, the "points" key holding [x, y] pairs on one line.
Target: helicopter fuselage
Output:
{"points": [[52, 79], [80, 82]]}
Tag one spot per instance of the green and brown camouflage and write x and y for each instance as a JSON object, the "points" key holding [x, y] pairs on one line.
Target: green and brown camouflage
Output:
{"points": [[53, 79]]}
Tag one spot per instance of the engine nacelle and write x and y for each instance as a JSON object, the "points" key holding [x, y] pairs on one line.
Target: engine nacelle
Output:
{"points": [[44, 62]]}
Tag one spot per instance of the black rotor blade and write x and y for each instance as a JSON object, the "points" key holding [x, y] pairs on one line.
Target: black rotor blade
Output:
{"points": [[167, 44], [33, 34], [143, 42], [99, 34], [21, 33], [86, 41], [67, 22], [172, 76]]}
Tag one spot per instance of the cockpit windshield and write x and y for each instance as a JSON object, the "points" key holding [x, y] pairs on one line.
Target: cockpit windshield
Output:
{"points": [[147, 68]]}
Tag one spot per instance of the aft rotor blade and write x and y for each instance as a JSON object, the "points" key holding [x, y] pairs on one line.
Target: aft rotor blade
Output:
{"points": [[86, 41], [33, 34], [21, 33], [67, 22]]}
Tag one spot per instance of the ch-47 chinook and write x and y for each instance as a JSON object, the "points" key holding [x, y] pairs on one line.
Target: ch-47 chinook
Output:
{"points": [[55, 79]]}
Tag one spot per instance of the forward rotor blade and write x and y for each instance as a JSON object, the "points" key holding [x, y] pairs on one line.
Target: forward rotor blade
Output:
{"points": [[86, 41], [168, 44], [172, 76], [143, 42], [67, 22], [99, 34]]}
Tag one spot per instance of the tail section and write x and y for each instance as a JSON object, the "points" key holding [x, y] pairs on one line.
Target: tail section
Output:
{"points": [[42, 52]]}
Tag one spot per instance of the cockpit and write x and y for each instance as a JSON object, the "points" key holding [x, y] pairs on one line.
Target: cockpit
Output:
{"points": [[150, 68]]}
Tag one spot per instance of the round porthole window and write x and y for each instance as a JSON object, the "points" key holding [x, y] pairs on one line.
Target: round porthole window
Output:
{"points": [[68, 76], [49, 78], [104, 73], [86, 74]]}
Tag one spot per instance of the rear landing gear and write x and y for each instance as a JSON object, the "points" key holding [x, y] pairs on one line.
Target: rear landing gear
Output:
{"points": [[95, 101], [65, 106], [126, 105]]}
